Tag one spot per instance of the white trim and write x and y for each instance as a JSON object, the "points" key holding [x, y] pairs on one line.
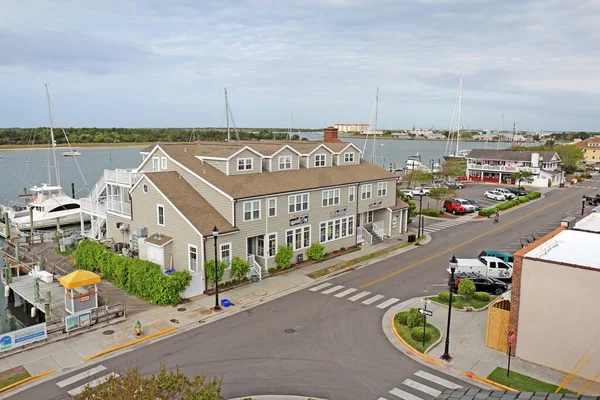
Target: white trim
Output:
{"points": [[245, 148], [190, 258], [284, 163], [268, 249], [390, 224], [301, 229], [270, 165], [370, 186], [353, 188], [145, 188], [202, 158], [159, 206], [287, 146], [230, 252], [351, 145], [324, 160], [251, 210], [227, 168], [353, 157], [268, 207], [157, 163], [339, 194], [348, 234], [245, 159], [301, 202], [157, 245], [384, 183], [318, 147], [163, 163]]}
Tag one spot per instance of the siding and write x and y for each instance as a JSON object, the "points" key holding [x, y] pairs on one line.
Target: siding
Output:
{"points": [[286, 152], [328, 157], [218, 164], [387, 201], [349, 150], [256, 163], [304, 161]]}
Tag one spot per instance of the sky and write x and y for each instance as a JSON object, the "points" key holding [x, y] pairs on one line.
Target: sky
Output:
{"points": [[151, 63]]}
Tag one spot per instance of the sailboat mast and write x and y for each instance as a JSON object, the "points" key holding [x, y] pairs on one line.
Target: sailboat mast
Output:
{"points": [[289, 135], [375, 131], [459, 110], [227, 115], [56, 172]]}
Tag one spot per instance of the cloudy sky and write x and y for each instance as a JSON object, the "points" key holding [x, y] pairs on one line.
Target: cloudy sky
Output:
{"points": [[151, 63]]}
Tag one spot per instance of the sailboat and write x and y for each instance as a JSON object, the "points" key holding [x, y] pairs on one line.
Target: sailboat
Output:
{"points": [[49, 204], [457, 154], [71, 153]]}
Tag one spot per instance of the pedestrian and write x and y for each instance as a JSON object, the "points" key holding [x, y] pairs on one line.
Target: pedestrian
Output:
{"points": [[496, 216]]}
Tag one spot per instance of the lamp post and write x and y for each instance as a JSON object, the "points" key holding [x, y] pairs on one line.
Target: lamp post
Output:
{"points": [[215, 233], [582, 204], [519, 189], [453, 264], [420, 214]]}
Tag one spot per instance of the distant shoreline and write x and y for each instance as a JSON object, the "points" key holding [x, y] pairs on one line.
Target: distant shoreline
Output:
{"points": [[15, 147], [342, 136]]}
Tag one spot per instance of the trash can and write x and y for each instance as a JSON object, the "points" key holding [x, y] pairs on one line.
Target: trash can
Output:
{"points": [[412, 238], [300, 258], [225, 303]]}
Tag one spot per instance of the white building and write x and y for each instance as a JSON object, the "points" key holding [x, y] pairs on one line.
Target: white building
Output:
{"points": [[352, 128]]}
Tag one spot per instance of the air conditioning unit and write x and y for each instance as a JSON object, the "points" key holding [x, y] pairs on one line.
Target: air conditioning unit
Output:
{"points": [[142, 232]]}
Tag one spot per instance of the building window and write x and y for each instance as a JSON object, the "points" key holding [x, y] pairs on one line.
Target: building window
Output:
{"points": [[349, 157], [331, 197], [298, 239], [336, 229], [260, 246], [163, 163], [244, 164], [155, 164], [225, 253], [298, 202], [381, 189], [145, 188], [272, 205], [285, 162], [365, 192], [272, 244], [251, 210], [160, 215], [351, 193], [320, 160], [192, 258]]}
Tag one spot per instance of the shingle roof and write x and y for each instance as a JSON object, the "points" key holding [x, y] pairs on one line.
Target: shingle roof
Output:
{"points": [[189, 202], [483, 394], [584, 143], [399, 205], [509, 155], [158, 239], [268, 183]]}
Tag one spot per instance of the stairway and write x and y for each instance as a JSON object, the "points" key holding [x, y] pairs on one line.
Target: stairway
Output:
{"points": [[376, 239]]}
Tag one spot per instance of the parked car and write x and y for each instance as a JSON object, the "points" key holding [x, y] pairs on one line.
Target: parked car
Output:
{"points": [[475, 204], [459, 184], [507, 193], [451, 185], [467, 205], [420, 191], [517, 191], [593, 201], [434, 185], [494, 195], [506, 257], [454, 207], [482, 283], [407, 192], [492, 267]]}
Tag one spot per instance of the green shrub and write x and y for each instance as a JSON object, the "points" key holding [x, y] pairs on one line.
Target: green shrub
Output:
{"points": [[534, 195], [402, 318], [444, 297], [414, 318], [239, 268], [315, 252], [212, 273], [430, 212], [486, 212], [481, 296], [283, 258], [466, 288], [417, 333]]}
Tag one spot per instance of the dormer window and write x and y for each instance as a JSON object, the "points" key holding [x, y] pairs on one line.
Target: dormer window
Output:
{"points": [[349, 157], [285, 162], [244, 164], [320, 160]]}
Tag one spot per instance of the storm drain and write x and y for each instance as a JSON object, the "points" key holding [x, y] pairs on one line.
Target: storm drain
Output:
{"points": [[290, 330], [108, 332], [181, 309]]}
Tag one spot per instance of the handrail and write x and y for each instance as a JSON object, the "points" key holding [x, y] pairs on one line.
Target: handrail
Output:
{"points": [[378, 229], [254, 266], [368, 237]]}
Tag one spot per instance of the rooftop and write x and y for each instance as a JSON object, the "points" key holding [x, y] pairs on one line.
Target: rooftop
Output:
{"points": [[483, 394], [590, 223], [570, 247], [510, 155]]}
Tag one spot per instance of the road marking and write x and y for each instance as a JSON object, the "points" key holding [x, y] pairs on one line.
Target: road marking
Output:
{"points": [[387, 303], [345, 292], [333, 289], [382, 398], [404, 395], [78, 377], [464, 243], [323, 286], [423, 388], [359, 296], [372, 299], [92, 384], [437, 379]]}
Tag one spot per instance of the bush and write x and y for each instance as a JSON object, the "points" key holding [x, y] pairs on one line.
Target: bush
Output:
{"points": [[402, 318], [139, 278], [417, 333], [239, 268], [212, 274], [315, 252], [431, 213], [534, 195], [466, 288], [486, 212], [444, 297], [481, 296], [414, 318], [283, 258]]}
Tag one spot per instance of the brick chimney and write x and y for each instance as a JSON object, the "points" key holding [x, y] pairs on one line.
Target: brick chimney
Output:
{"points": [[330, 135]]}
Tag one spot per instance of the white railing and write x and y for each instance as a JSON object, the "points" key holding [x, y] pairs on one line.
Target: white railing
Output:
{"points": [[366, 235], [118, 207], [97, 189], [507, 168], [90, 206], [124, 177], [359, 238], [254, 266], [378, 229]]}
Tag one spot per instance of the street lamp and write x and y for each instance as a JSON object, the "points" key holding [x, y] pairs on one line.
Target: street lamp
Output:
{"points": [[215, 233], [582, 204], [453, 263], [420, 213], [519, 189]]}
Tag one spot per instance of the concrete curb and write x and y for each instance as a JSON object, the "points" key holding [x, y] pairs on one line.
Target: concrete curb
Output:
{"points": [[412, 349], [24, 381], [488, 305], [489, 382], [276, 397]]}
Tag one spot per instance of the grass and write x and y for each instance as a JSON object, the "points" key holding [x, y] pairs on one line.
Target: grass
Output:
{"points": [[459, 302], [13, 375], [522, 382], [404, 332]]}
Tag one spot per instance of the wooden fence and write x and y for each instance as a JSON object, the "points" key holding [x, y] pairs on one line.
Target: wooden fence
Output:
{"points": [[498, 323]]}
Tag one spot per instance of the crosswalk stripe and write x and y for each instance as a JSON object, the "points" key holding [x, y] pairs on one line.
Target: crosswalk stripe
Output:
{"points": [[423, 388], [437, 379], [431, 230], [333, 289], [92, 384], [359, 296], [372, 299], [382, 398], [387, 303], [323, 286], [78, 377], [404, 395], [346, 292]]}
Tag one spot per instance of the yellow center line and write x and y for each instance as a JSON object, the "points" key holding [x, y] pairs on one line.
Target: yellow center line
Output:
{"points": [[453, 248]]}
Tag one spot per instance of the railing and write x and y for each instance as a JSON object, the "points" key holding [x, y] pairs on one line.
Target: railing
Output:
{"points": [[97, 189], [126, 177], [359, 238], [254, 266], [507, 168], [366, 235], [119, 207], [378, 229], [90, 206]]}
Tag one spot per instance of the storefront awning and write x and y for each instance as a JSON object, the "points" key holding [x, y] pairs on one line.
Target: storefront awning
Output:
{"points": [[79, 278]]}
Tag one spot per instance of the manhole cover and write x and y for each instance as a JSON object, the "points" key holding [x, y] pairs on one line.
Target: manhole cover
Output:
{"points": [[175, 321], [108, 332], [290, 330], [259, 293], [181, 309], [204, 311]]}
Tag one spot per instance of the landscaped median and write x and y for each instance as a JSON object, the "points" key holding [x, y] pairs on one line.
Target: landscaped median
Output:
{"points": [[478, 301], [486, 212], [522, 382], [409, 325], [17, 377]]}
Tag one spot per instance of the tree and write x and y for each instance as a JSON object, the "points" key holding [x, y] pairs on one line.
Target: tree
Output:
{"points": [[173, 385], [536, 138], [239, 267], [571, 157], [412, 205], [441, 193], [522, 176], [283, 258], [211, 274], [453, 168], [416, 175]]}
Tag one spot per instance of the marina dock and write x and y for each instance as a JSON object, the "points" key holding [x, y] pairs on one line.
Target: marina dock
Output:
{"points": [[23, 286]]}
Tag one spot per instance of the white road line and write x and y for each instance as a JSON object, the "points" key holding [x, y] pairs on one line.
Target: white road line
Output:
{"points": [[431, 230], [323, 286], [382, 398], [78, 377], [333, 289], [404, 395], [359, 296], [92, 384], [437, 379], [387, 303], [346, 292], [372, 299], [423, 388]]}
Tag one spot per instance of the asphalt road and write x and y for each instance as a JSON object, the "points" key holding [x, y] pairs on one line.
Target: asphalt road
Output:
{"points": [[337, 349]]}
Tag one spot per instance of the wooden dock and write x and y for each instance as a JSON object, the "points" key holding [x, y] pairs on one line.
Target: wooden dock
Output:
{"points": [[23, 286]]}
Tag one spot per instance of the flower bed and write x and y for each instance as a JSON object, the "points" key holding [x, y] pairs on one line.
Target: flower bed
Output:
{"points": [[486, 212], [337, 253]]}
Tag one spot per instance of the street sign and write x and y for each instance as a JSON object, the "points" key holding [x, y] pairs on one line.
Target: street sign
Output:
{"points": [[426, 301], [512, 335], [427, 313]]}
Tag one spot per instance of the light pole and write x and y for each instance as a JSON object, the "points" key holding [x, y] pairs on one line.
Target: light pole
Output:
{"points": [[519, 189], [420, 214], [453, 264], [215, 233], [582, 204]]}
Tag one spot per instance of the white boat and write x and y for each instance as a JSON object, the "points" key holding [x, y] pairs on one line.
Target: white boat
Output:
{"points": [[71, 153]]}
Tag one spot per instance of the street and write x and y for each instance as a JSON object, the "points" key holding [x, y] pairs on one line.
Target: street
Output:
{"points": [[314, 343]]}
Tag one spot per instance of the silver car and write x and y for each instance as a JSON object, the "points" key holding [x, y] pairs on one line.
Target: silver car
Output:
{"points": [[467, 205]]}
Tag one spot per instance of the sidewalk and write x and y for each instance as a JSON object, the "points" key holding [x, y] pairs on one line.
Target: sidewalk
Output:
{"points": [[71, 351], [467, 347]]}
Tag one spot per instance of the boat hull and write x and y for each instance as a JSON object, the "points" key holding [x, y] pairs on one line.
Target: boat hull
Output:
{"points": [[24, 224]]}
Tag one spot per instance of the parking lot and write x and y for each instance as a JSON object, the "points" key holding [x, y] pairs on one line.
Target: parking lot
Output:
{"points": [[472, 191]]}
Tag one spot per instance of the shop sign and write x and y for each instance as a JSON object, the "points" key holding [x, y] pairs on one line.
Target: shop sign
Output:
{"points": [[84, 298], [375, 204], [338, 213], [299, 220]]}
